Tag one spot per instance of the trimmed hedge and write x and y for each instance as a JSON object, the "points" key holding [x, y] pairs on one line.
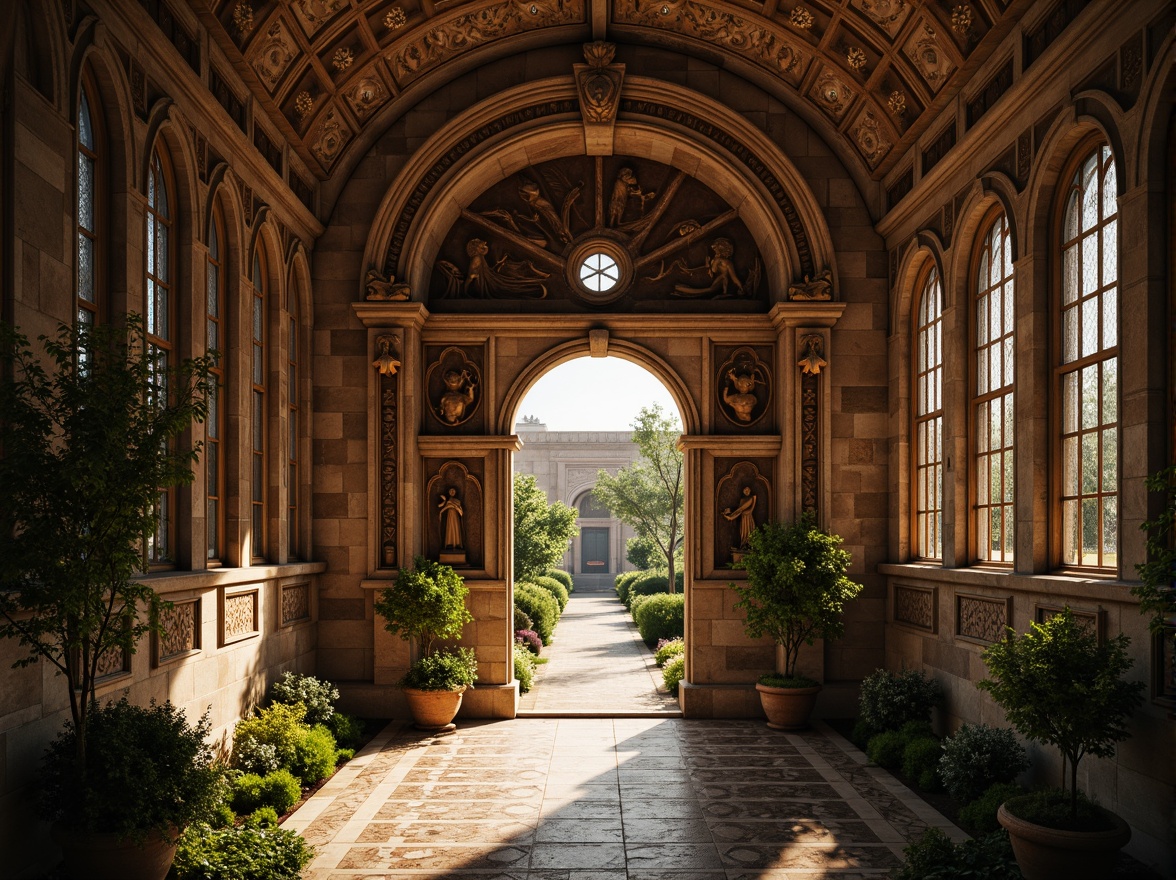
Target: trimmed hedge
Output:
{"points": [[539, 605], [562, 576], [524, 668], [279, 790], [920, 762], [649, 584], [557, 589], [891, 699], [977, 757], [623, 580], [668, 649], [660, 617]]}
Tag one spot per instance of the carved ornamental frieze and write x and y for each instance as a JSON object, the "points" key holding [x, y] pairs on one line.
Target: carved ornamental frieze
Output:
{"points": [[915, 607], [811, 362], [588, 231], [387, 364], [981, 618], [743, 501], [453, 510], [454, 386], [743, 386]]}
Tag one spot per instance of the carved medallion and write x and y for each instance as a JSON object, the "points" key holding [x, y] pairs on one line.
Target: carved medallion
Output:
{"points": [[928, 56], [365, 96], [743, 386], [832, 93], [275, 54], [332, 136], [454, 386], [888, 15], [313, 14], [871, 139]]}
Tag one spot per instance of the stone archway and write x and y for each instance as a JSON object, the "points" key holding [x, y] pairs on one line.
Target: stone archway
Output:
{"points": [[708, 246]]}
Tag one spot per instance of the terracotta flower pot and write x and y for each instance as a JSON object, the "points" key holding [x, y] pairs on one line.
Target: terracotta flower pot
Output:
{"points": [[92, 856], [788, 708], [433, 710], [1047, 853]]}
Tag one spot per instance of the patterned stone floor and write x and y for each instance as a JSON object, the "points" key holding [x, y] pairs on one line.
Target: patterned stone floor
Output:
{"points": [[610, 798]]}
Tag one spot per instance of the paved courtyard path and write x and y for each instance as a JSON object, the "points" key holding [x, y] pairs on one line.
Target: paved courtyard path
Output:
{"points": [[597, 665], [610, 799]]}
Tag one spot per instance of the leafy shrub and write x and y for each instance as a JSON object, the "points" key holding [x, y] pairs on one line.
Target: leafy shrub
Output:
{"points": [[539, 605], [147, 769], [530, 640], [563, 577], [344, 755], [222, 815], [934, 857], [1053, 808], [979, 817], [241, 853], [891, 699], [978, 756], [668, 649], [886, 749], [316, 695], [279, 790], [648, 584], [262, 817], [348, 731], [920, 762], [623, 580], [266, 741], [524, 668], [315, 755], [661, 617], [557, 589], [673, 673], [443, 671], [861, 734]]}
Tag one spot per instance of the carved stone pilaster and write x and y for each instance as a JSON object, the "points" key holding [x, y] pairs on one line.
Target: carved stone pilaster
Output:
{"points": [[812, 345], [387, 365]]}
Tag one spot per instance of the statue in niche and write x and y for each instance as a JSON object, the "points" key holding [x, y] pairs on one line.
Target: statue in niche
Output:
{"points": [[745, 513], [625, 188], [460, 388], [451, 514], [386, 364], [743, 401], [385, 289], [819, 288], [506, 279]]}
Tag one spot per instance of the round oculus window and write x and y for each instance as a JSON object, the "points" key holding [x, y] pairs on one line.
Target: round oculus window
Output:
{"points": [[599, 272]]}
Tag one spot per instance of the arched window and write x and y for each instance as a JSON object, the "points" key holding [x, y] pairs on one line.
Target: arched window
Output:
{"points": [[928, 427], [293, 424], [89, 210], [215, 340], [992, 404], [257, 416], [591, 508], [160, 323], [1087, 374]]}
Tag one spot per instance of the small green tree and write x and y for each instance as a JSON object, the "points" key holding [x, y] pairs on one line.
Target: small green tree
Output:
{"points": [[1059, 686], [426, 602], [86, 446], [541, 529], [796, 587], [649, 496], [1157, 593]]}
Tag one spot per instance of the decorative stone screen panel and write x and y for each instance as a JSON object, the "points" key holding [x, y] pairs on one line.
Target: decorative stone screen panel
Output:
{"points": [[295, 605], [180, 631], [112, 664], [916, 607], [238, 616], [982, 618], [1091, 621]]}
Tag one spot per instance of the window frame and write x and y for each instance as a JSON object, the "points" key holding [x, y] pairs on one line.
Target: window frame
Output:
{"points": [[977, 399], [94, 308], [216, 264], [259, 283], [928, 281], [1092, 146], [293, 362]]}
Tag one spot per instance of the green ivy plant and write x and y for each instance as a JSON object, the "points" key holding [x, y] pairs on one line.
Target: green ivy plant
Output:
{"points": [[1059, 686], [1157, 592], [796, 588]]}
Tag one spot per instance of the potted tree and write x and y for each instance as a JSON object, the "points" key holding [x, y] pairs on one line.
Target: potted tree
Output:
{"points": [[1058, 685], [426, 603], [794, 592], [91, 435]]}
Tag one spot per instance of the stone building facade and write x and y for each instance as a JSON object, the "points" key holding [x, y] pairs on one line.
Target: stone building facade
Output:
{"points": [[906, 265], [565, 465]]}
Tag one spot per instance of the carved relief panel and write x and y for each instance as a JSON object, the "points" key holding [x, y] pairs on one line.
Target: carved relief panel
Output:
{"points": [[743, 502], [454, 511], [589, 231], [743, 388], [453, 386]]}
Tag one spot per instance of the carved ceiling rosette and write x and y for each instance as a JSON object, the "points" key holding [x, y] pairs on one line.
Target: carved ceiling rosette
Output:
{"points": [[926, 49], [743, 386], [454, 386], [871, 137], [832, 93], [589, 231]]}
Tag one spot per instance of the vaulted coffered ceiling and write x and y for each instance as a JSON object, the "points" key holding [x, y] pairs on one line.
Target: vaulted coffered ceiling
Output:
{"points": [[873, 74]]}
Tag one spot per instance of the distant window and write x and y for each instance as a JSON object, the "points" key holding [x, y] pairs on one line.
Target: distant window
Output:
{"points": [[160, 323], [293, 426], [928, 427], [88, 212], [257, 416], [1088, 371], [599, 272], [214, 426], [591, 508]]}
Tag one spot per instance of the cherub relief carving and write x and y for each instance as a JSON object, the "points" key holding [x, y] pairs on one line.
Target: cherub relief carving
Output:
{"points": [[743, 401], [453, 385], [460, 388], [745, 387]]}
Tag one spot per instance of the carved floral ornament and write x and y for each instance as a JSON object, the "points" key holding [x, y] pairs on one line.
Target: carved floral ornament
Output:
{"points": [[386, 363], [381, 288], [812, 346], [744, 387]]}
